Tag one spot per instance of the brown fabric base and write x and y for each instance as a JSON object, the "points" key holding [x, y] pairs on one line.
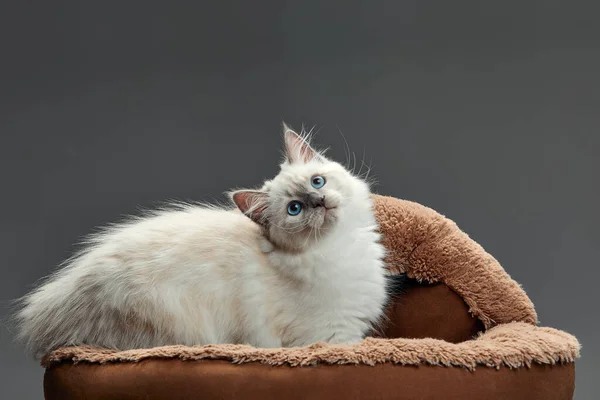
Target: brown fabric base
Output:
{"points": [[176, 379], [430, 311]]}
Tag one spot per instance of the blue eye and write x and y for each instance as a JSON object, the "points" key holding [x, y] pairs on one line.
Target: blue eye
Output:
{"points": [[317, 182], [294, 208]]}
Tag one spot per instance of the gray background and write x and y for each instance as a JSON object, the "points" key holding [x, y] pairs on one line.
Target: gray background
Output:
{"points": [[485, 111]]}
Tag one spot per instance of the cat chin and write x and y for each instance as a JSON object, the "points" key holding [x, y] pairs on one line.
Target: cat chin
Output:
{"points": [[326, 221], [330, 215]]}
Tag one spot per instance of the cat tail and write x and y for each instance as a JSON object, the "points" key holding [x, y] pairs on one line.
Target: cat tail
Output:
{"points": [[69, 308], [50, 316]]}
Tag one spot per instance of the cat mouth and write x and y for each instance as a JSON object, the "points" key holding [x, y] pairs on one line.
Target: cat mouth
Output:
{"points": [[329, 213], [327, 209]]}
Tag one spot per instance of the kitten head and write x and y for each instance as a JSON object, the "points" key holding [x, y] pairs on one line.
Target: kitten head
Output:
{"points": [[311, 197]]}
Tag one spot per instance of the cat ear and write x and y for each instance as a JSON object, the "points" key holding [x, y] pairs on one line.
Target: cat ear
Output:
{"points": [[297, 148], [252, 203]]}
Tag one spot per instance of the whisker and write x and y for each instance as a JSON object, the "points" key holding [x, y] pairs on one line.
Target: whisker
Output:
{"points": [[346, 148]]}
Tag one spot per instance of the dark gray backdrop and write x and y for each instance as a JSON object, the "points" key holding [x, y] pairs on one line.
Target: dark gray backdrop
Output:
{"points": [[485, 111]]}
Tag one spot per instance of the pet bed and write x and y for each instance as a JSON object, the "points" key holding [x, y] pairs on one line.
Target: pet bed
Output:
{"points": [[463, 329]]}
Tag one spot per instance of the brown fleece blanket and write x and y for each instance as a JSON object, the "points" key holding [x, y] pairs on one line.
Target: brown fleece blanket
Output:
{"points": [[430, 248]]}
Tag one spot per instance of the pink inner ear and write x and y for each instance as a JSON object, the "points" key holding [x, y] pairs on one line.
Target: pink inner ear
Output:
{"points": [[297, 148], [251, 203], [243, 200]]}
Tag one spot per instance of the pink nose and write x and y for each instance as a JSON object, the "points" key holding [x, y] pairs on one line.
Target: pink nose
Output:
{"points": [[316, 200]]}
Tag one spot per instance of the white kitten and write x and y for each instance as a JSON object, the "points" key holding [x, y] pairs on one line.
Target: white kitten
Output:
{"points": [[300, 264]]}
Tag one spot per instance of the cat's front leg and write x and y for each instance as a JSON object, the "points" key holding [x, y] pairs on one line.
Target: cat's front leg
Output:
{"points": [[265, 245], [331, 339], [346, 339]]}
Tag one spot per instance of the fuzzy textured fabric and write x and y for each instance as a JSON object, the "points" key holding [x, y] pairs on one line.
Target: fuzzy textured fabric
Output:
{"points": [[510, 345], [430, 247]]}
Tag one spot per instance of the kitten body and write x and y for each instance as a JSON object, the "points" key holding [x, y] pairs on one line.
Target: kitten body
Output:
{"points": [[196, 275]]}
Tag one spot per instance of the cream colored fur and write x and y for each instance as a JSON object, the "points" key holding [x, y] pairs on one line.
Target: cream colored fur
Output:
{"points": [[197, 275]]}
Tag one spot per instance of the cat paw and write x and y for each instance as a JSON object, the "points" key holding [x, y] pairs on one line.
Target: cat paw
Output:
{"points": [[265, 246], [347, 341]]}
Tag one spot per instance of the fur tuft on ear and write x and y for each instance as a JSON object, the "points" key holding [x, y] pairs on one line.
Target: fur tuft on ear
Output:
{"points": [[297, 147], [252, 203]]}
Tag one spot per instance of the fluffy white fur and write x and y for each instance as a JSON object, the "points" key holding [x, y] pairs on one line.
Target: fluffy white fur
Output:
{"points": [[197, 275]]}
